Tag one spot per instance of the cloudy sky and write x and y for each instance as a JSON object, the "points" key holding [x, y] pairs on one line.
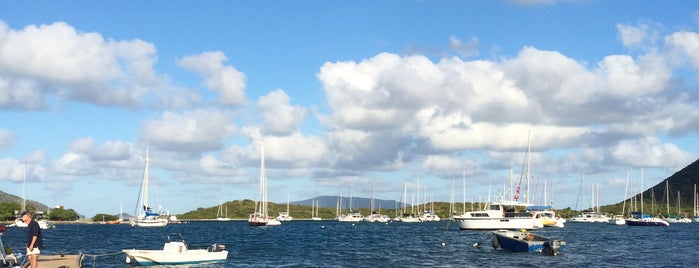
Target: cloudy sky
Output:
{"points": [[345, 95]]}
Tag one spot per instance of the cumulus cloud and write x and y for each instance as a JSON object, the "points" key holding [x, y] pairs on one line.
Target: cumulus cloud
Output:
{"points": [[278, 115], [226, 80], [75, 66], [191, 131], [650, 152], [406, 106]]}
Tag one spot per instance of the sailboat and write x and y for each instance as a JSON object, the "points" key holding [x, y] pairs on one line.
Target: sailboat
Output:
{"points": [[375, 216], [284, 215], [260, 217], [641, 219], [144, 215], [314, 211], [222, 215], [352, 215], [43, 223]]}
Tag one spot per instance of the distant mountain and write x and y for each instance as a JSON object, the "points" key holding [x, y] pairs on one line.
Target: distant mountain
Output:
{"points": [[357, 202], [9, 198], [682, 181]]}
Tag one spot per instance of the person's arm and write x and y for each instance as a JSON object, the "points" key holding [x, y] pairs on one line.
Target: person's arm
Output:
{"points": [[31, 245]]}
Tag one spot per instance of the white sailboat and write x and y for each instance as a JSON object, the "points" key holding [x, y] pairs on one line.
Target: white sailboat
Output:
{"points": [[144, 215], [352, 215], [261, 217], [314, 211], [43, 223], [284, 215], [222, 215]]}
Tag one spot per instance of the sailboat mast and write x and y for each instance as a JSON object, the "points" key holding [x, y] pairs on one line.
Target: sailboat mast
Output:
{"points": [[526, 199], [464, 189], [144, 186], [24, 189], [261, 208]]}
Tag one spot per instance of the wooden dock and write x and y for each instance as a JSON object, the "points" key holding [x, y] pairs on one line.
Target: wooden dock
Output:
{"points": [[58, 261]]}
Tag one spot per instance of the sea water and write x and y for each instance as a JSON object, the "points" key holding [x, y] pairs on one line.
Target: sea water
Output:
{"points": [[342, 244]]}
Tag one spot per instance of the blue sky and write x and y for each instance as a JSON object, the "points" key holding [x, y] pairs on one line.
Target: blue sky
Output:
{"points": [[345, 95]]}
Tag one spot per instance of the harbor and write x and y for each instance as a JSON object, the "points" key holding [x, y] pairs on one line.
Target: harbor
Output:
{"points": [[329, 243]]}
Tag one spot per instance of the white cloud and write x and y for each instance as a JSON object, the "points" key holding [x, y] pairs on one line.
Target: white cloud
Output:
{"points": [[76, 66], [193, 131], [278, 115], [229, 82], [650, 152], [684, 46]]}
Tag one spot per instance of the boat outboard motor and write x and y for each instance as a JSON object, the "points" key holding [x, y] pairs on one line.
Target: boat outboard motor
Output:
{"points": [[217, 248]]}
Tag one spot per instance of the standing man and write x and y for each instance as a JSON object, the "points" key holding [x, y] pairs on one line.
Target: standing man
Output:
{"points": [[34, 239]]}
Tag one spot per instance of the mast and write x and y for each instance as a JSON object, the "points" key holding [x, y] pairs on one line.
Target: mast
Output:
{"points": [[628, 176], [526, 199], [24, 189], [642, 193], [464, 190]]}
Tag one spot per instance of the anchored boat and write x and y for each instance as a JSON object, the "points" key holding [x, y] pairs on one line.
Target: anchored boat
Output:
{"points": [[177, 252], [523, 241]]}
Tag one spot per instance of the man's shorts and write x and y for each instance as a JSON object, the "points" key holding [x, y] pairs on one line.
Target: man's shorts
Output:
{"points": [[34, 251]]}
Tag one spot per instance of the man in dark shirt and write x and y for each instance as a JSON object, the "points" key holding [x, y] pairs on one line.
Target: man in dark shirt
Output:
{"points": [[34, 240]]}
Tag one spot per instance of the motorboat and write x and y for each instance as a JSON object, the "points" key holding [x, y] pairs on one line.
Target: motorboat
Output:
{"points": [[498, 215], [177, 252], [524, 241]]}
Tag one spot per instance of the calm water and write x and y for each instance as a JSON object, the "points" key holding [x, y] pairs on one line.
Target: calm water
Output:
{"points": [[334, 244]]}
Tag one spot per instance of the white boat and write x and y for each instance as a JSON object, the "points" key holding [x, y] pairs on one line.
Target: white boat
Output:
{"points": [[144, 215], [176, 253], [429, 215], [545, 216], [351, 215], [497, 215], [375, 216], [284, 215], [674, 218], [314, 211], [261, 217], [618, 220], [37, 216], [222, 215]]}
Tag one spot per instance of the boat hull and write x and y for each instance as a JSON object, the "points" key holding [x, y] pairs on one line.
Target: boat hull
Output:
{"points": [[174, 253], [526, 242], [158, 257], [494, 223], [646, 222]]}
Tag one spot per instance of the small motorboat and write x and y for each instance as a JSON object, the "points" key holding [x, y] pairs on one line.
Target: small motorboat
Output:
{"points": [[524, 241], [177, 252]]}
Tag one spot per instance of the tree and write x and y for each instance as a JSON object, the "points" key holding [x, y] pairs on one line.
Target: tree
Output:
{"points": [[104, 217], [59, 214], [7, 211]]}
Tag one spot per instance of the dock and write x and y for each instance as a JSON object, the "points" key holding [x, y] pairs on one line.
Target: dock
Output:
{"points": [[59, 261]]}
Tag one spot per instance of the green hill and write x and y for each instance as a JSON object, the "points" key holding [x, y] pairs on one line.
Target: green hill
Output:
{"points": [[31, 204], [655, 198]]}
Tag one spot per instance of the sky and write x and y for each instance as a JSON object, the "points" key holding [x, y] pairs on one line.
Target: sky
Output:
{"points": [[345, 96]]}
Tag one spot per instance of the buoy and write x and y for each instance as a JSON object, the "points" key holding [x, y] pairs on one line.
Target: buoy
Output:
{"points": [[128, 260], [444, 243], [475, 245]]}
